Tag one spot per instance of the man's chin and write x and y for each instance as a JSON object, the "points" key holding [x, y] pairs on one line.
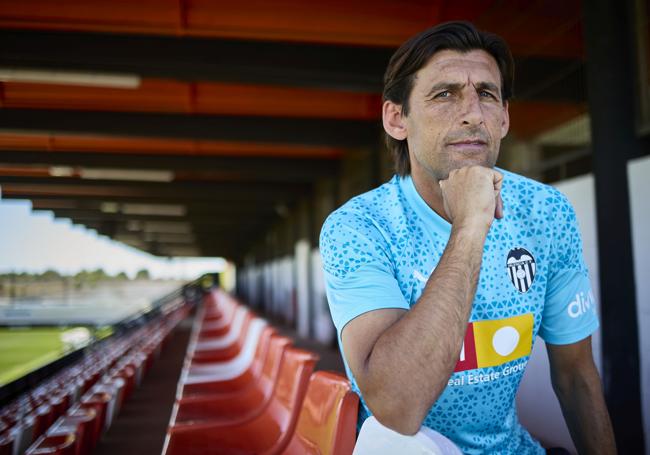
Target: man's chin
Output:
{"points": [[471, 162]]}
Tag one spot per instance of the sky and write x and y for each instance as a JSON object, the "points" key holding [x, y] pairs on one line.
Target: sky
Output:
{"points": [[34, 241]]}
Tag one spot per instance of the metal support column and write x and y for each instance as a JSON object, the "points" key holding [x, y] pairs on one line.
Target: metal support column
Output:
{"points": [[611, 95]]}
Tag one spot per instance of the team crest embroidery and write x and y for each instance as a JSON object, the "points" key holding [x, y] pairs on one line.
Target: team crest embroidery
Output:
{"points": [[521, 268]]}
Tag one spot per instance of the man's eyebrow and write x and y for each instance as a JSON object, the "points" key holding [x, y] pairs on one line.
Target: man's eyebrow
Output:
{"points": [[453, 86], [488, 86]]}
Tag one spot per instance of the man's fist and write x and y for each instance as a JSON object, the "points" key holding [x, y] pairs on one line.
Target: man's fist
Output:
{"points": [[472, 196]]}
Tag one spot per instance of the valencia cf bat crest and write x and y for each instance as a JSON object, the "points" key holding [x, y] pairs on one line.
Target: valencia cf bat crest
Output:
{"points": [[521, 268]]}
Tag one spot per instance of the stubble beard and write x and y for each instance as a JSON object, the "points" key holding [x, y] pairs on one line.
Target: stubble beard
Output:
{"points": [[440, 170]]}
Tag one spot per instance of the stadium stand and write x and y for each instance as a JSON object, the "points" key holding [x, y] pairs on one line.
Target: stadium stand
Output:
{"points": [[241, 379], [68, 413]]}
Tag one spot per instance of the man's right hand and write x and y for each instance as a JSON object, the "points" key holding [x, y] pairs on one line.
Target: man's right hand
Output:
{"points": [[472, 196]]}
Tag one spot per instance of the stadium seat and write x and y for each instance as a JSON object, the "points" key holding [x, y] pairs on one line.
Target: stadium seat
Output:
{"points": [[217, 349], [84, 420], [211, 385], [63, 444], [127, 374], [114, 388], [271, 430], [22, 433], [43, 418], [214, 326], [68, 413], [328, 418], [241, 362], [238, 406], [99, 402], [6, 443]]}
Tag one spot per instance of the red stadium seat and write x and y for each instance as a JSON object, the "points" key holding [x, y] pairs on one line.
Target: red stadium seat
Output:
{"points": [[268, 433], [218, 349], [237, 382], [64, 444], [232, 407], [83, 422], [328, 419], [44, 417], [207, 385], [6, 443]]}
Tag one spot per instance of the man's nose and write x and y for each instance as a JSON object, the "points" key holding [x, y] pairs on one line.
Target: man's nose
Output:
{"points": [[471, 110]]}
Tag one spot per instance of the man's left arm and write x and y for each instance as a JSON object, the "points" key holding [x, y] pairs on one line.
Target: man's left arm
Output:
{"points": [[577, 385]]}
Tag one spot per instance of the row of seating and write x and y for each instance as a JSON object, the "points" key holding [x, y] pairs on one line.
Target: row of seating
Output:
{"points": [[245, 389], [68, 413]]}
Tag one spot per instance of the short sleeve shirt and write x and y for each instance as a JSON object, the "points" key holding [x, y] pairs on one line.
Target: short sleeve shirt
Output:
{"points": [[379, 250]]}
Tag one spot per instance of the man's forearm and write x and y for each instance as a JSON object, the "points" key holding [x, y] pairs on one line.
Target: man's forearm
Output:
{"points": [[586, 415], [411, 362]]}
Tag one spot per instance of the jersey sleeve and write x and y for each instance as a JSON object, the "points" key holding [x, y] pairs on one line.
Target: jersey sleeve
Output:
{"points": [[359, 275], [570, 312]]}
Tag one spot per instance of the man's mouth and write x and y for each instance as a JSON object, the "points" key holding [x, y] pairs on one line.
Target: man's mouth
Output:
{"points": [[469, 144]]}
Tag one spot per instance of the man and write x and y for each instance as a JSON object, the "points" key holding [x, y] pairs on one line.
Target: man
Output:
{"points": [[439, 280]]}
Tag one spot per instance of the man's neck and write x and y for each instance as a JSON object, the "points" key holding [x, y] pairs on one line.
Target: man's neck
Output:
{"points": [[428, 188]]}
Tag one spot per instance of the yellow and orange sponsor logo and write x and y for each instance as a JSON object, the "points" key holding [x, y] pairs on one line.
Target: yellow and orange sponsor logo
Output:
{"points": [[495, 342]]}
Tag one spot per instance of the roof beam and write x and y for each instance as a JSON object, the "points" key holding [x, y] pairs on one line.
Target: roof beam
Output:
{"points": [[36, 187], [250, 62], [198, 209], [194, 59], [345, 133], [216, 202], [225, 168], [96, 215]]}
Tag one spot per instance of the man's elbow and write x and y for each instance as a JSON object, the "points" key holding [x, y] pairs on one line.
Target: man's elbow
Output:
{"points": [[398, 415]]}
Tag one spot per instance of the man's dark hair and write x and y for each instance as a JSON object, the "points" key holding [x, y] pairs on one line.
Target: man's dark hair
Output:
{"points": [[416, 52]]}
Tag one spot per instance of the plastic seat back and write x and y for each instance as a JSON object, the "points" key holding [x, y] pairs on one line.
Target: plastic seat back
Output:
{"points": [[239, 323], [264, 381], [60, 444], [295, 371], [6, 443], [262, 351], [269, 433], [277, 346], [328, 419]]}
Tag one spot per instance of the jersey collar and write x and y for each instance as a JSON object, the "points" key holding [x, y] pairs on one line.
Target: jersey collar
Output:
{"points": [[418, 204]]}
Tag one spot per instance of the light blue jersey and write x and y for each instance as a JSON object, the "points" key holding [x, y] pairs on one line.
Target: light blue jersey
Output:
{"points": [[379, 250]]}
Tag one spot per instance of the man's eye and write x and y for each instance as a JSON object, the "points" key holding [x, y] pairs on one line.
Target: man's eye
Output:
{"points": [[486, 94], [443, 94]]}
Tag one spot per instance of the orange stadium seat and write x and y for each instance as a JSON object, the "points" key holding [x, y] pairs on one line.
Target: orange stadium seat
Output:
{"points": [[241, 405], [328, 418], [247, 346], [272, 429], [227, 346], [236, 374], [207, 384]]}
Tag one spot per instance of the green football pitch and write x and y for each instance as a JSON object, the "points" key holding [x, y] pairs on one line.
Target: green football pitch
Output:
{"points": [[25, 350]]}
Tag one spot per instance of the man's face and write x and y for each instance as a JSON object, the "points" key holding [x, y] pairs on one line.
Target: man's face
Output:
{"points": [[457, 117]]}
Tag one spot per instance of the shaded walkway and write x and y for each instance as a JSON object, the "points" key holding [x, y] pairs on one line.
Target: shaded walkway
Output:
{"points": [[141, 424]]}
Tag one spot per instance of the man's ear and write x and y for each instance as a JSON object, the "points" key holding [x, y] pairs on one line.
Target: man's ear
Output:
{"points": [[505, 124], [393, 121]]}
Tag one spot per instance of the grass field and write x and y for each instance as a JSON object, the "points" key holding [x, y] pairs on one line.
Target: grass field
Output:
{"points": [[25, 350]]}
